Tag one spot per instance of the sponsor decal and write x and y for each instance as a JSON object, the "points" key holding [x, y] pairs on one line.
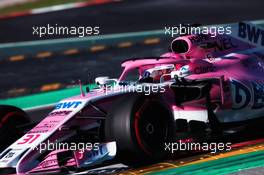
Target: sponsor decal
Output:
{"points": [[222, 44], [251, 33], [98, 151], [48, 163], [38, 131], [243, 95], [258, 90], [44, 126], [9, 155], [59, 113], [68, 105], [28, 138], [204, 69], [199, 38], [54, 121]]}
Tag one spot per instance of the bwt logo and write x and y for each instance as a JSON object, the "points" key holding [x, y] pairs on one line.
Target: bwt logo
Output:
{"points": [[68, 105], [251, 33], [243, 95]]}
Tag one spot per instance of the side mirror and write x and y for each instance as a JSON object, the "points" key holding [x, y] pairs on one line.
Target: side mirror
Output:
{"points": [[103, 81]]}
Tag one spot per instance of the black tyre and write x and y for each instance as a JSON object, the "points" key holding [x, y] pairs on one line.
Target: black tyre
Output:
{"points": [[10, 119], [140, 125]]}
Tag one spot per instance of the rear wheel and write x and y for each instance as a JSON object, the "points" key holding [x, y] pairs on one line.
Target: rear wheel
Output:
{"points": [[10, 119], [140, 125]]}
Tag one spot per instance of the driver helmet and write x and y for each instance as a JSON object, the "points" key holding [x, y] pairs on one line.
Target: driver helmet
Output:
{"points": [[157, 72]]}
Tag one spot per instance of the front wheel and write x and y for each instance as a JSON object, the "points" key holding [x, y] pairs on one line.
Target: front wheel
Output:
{"points": [[10, 119], [140, 125]]}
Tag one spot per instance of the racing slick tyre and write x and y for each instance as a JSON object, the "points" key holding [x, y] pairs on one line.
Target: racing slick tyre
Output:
{"points": [[140, 125], [10, 118]]}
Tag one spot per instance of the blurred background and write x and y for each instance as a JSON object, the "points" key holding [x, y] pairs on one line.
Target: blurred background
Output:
{"points": [[52, 64]]}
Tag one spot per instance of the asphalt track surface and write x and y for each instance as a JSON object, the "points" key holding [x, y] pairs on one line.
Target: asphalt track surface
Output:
{"points": [[135, 15], [116, 17], [35, 72]]}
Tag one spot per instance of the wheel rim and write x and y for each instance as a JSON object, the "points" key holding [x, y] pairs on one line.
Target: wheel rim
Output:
{"points": [[151, 128]]}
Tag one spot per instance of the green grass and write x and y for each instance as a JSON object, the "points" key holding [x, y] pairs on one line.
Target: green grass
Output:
{"points": [[33, 5]]}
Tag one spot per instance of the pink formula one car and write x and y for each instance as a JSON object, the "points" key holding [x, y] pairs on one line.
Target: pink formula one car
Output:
{"points": [[204, 88]]}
